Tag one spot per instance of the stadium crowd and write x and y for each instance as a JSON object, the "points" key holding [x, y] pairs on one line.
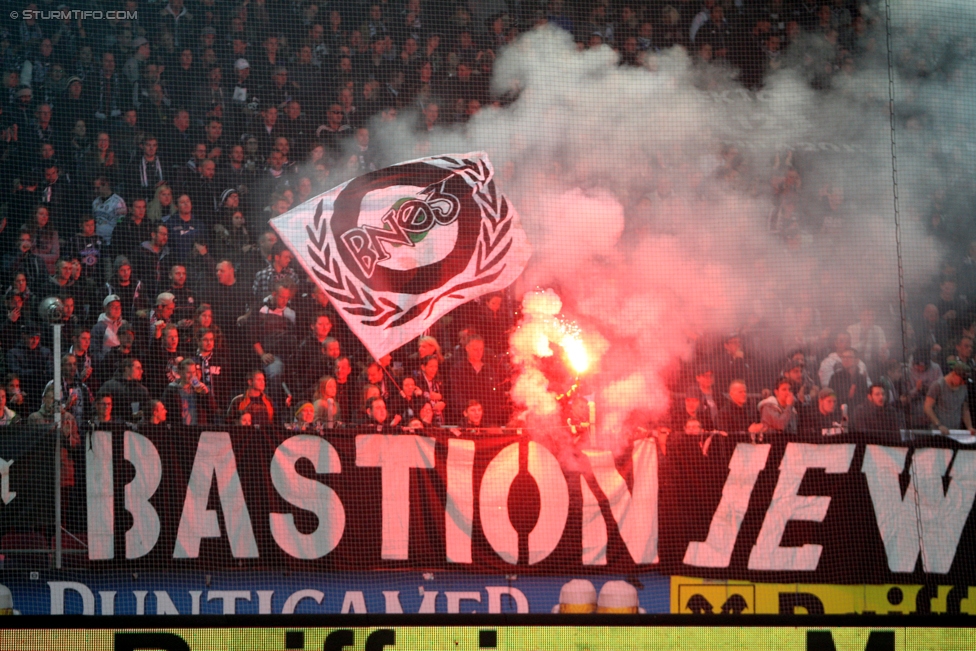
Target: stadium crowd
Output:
{"points": [[142, 158]]}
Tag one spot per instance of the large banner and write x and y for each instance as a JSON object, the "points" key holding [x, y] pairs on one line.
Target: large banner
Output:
{"points": [[842, 512], [253, 498], [27, 479]]}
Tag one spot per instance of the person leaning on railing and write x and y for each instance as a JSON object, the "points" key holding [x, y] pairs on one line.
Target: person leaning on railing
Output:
{"points": [[946, 402]]}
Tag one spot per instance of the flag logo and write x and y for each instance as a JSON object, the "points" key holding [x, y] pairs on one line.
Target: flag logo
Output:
{"points": [[398, 248]]}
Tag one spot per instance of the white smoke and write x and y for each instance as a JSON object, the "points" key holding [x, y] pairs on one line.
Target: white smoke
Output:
{"points": [[647, 200]]}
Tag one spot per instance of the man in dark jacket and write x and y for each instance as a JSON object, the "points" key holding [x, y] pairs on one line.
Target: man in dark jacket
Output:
{"points": [[740, 416], [876, 417], [822, 418], [128, 394]]}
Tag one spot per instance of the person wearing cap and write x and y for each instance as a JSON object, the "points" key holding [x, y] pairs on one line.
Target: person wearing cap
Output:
{"points": [[304, 419], [239, 95], [946, 403], [230, 203], [162, 315], [876, 418], [73, 106], [31, 362], [105, 332], [133, 67], [22, 113]]}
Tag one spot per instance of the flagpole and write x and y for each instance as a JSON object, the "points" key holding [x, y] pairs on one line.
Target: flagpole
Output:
{"points": [[390, 375], [58, 435]]}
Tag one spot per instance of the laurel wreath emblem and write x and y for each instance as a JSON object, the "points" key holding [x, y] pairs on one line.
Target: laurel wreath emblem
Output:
{"points": [[374, 309]]}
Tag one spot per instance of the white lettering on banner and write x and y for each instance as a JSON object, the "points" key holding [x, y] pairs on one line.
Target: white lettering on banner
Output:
{"points": [[786, 505], [164, 605], [553, 503], [634, 512], [493, 502], [594, 528], [58, 589], [5, 493], [229, 598], [454, 600], [100, 496], [746, 463], [495, 594], [107, 598], [215, 456], [309, 495], [396, 455], [296, 597], [264, 601], [353, 602], [140, 596], [429, 603], [927, 519], [391, 599], [459, 507], [144, 457]]}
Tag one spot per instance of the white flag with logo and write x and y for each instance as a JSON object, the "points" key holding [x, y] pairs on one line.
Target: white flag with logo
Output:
{"points": [[398, 248]]}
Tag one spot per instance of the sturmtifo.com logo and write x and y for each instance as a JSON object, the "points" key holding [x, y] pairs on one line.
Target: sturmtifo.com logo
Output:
{"points": [[73, 14]]}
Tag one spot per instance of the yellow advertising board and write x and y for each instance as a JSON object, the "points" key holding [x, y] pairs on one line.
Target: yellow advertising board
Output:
{"points": [[508, 638], [703, 596]]}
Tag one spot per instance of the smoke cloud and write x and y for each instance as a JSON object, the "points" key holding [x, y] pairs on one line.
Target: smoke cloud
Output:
{"points": [[660, 206]]}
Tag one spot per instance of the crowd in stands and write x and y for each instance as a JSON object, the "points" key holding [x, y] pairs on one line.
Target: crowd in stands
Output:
{"points": [[141, 159]]}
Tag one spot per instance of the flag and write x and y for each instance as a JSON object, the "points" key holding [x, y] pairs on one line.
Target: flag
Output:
{"points": [[398, 248]]}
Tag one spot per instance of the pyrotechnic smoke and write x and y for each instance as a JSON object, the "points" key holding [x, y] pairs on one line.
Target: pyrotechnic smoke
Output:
{"points": [[647, 194]]}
